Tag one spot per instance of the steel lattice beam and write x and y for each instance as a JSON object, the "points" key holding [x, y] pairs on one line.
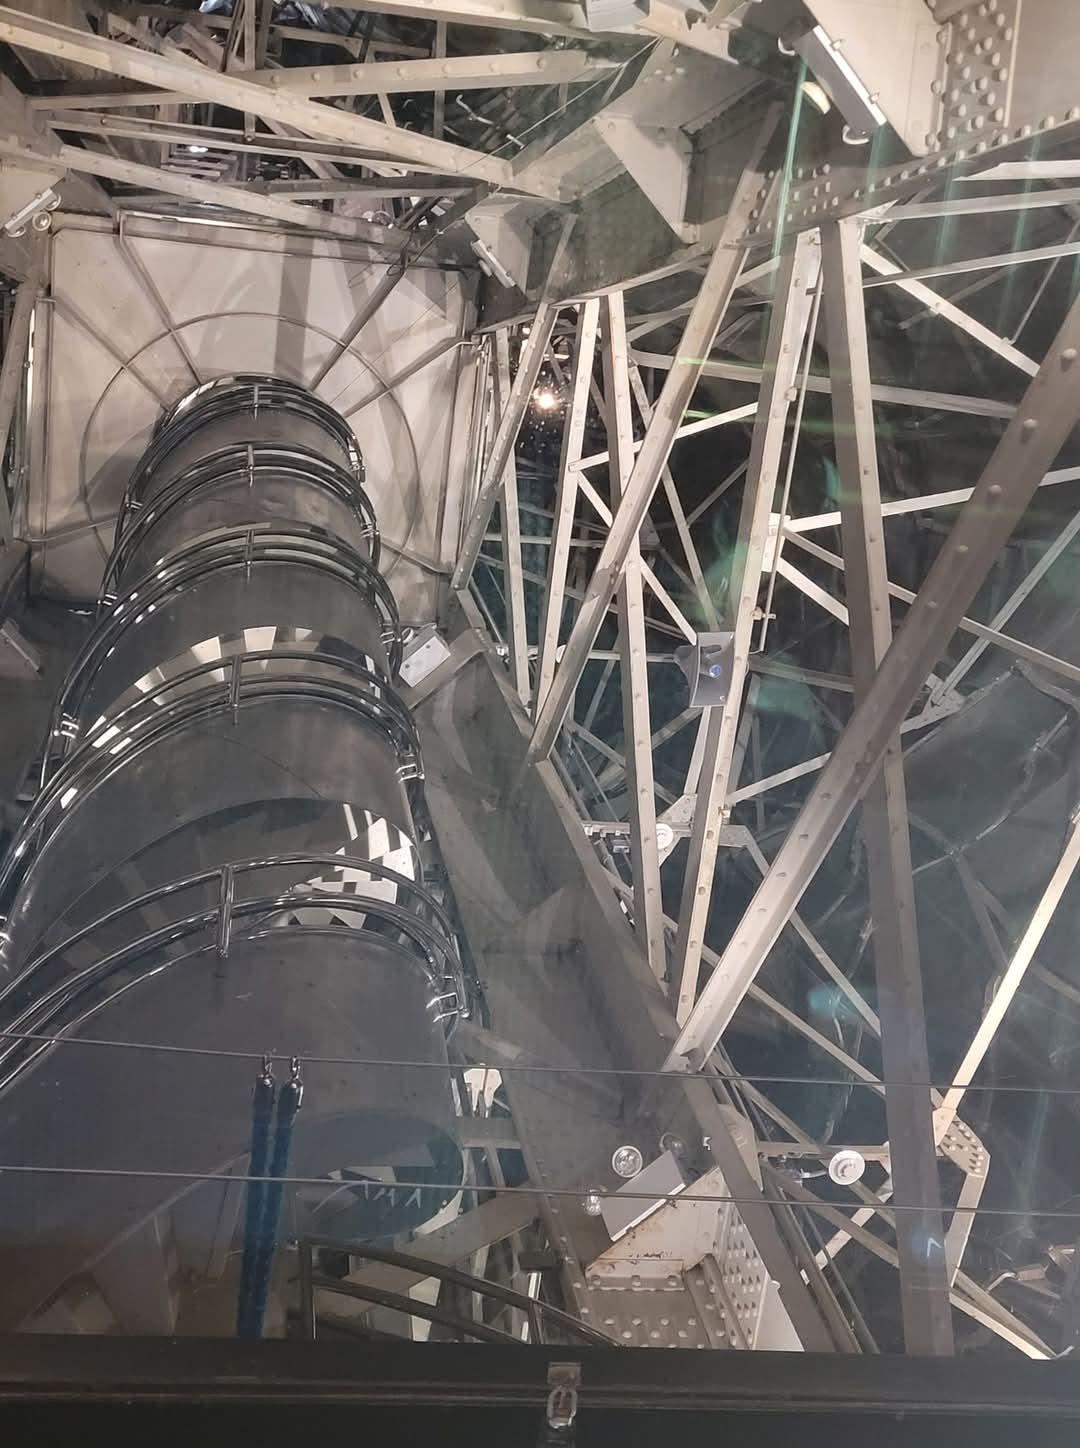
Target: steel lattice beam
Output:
{"points": [[1031, 443], [198, 82], [633, 668], [920, 1234], [790, 319]]}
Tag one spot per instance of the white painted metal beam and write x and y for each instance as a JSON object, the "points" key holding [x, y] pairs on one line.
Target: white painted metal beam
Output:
{"points": [[881, 392], [633, 668], [517, 638], [11, 371], [1012, 979], [783, 350], [920, 1233], [379, 77], [566, 495], [950, 312], [509, 425], [211, 193]]}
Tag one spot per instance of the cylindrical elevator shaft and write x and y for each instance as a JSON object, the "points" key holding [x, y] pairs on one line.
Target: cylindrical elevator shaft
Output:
{"points": [[226, 858]]}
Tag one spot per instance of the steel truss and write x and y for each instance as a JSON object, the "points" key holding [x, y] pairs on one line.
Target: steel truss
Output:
{"points": [[864, 768], [812, 239]]}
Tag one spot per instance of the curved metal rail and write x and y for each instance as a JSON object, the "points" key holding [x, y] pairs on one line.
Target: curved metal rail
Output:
{"points": [[385, 709], [240, 461], [244, 392], [430, 943], [539, 1313], [92, 766]]}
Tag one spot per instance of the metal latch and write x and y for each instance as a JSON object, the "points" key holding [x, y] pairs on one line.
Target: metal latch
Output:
{"points": [[564, 1379]]}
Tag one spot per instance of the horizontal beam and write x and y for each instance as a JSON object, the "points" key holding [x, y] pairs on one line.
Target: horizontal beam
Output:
{"points": [[951, 499], [981, 263], [191, 79], [949, 312], [459, 72], [960, 205], [880, 392], [381, 77], [221, 138], [210, 193]]}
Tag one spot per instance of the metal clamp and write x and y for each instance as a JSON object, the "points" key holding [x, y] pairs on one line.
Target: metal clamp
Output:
{"points": [[560, 1410]]}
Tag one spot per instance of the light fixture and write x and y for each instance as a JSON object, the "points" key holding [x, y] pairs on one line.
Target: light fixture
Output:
{"points": [[197, 150], [627, 1161], [545, 400], [834, 76], [847, 1166], [815, 93]]}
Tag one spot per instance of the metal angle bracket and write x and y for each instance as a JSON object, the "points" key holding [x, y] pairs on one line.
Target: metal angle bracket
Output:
{"points": [[658, 158], [707, 665]]}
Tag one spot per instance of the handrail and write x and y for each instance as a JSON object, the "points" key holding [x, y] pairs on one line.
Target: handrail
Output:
{"points": [[229, 549], [385, 701], [289, 860], [77, 775], [241, 393], [245, 461], [294, 535], [37, 1017], [533, 1306]]}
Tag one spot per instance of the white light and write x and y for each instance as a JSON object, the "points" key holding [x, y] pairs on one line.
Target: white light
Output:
{"points": [[195, 150], [545, 399], [815, 94]]}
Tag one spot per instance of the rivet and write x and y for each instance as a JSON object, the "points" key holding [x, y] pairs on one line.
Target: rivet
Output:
{"points": [[1030, 424], [1069, 356], [994, 490]]}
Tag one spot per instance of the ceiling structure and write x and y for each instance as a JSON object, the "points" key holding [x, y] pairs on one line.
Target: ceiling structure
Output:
{"points": [[769, 346]]}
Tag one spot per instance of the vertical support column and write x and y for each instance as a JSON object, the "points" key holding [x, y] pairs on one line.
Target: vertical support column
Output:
{"points": [[920, 1233], [438, 123], [11, 371], [648, 904], [502, 448], [566, 495], [790, 318], [516, 634]]}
